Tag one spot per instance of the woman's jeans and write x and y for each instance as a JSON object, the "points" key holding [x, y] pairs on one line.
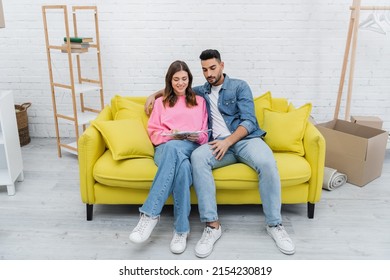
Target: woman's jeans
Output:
{"points": [[173, 177], [253, 152]]}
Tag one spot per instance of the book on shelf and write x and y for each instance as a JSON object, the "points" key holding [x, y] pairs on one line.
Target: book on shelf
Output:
{"points": [[78, 45], [79, 39], [73, 50]]}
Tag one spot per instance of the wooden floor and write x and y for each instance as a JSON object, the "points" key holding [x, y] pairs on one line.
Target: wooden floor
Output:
{"points": [[46, 220]]}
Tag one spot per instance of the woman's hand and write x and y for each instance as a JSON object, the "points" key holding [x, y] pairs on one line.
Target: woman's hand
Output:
{"points": [[178, 136], [193, 137]]}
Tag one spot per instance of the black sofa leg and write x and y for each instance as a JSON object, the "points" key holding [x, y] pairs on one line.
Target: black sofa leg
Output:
{"points": [[89, 211], [310, 210]]}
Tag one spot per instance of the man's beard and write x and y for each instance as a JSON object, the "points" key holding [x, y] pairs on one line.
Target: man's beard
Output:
{"points": [[217, 79]]}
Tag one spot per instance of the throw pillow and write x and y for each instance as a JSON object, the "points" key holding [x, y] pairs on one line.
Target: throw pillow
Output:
{"points": [[125, 138], [285, 130], [262, 102], [127, 109]]}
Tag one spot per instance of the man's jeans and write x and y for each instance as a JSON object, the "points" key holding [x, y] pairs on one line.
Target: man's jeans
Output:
{"points": [[255, 153], [173, 176]]}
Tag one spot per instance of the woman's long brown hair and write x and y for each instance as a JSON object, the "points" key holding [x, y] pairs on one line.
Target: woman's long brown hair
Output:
{"points": [[169, 96]]}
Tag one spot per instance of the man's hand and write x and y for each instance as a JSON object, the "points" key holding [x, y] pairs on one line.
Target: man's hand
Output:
{"points": [[220, 147], [148, 107]]}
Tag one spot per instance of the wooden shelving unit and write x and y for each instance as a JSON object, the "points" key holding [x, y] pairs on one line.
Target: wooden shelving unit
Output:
{"points": [[11, 164], [78, 84]]}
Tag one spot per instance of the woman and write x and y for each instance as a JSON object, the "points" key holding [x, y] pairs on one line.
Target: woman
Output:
{"points": [[179, 110]]}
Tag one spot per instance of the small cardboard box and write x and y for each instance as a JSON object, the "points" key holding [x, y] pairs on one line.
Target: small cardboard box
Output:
{"points": [[368, 121], [355, 150]]}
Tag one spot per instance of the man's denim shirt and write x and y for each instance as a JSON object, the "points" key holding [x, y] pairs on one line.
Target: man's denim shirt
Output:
{"points": [[235, 102]]}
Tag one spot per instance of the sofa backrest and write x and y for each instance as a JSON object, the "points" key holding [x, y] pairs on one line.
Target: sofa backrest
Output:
{"points": [[277, 104], [115, 106], [125, 107]]}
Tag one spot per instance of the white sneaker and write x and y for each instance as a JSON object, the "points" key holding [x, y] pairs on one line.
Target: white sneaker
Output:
{"points": [[281, 238], [205, 245], [143, 229], [179, 242]]}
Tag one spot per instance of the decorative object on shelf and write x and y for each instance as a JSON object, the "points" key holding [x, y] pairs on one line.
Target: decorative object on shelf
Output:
{"points": [[77, 84], [22, 121]]}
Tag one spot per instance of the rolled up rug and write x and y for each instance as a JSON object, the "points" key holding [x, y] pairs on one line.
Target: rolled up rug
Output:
{"points": [[333, 179]]}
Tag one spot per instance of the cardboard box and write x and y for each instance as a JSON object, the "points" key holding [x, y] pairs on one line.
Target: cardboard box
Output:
{"points": [[355, 150], [368, 121]]}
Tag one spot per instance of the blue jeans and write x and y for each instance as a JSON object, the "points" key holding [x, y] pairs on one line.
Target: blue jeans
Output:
{"points": [[173, 177], [253, 152]]}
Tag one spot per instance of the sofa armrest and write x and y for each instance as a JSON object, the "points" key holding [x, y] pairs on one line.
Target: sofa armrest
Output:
{"points": [[314, 144], [91, 147]]}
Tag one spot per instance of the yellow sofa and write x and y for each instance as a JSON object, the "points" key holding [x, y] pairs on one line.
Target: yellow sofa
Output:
{"points": [[104, 180]]}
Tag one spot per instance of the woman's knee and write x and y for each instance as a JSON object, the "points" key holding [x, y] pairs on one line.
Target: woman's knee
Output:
{"points": [[200, 154], [185, 169]]}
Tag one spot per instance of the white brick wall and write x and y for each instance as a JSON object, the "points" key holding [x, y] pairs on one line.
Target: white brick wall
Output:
{"points": [[292, 48]]}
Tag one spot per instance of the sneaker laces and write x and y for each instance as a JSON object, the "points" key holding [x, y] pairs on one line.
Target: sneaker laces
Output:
{"points": [[143, 223], [207, 235], [179, 237], [282, 232]]}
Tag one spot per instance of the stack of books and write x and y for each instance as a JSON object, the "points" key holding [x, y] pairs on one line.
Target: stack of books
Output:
{"points": [[77, 44]]}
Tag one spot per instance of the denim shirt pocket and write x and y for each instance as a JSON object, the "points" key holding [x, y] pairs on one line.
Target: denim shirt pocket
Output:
{"points": [[229, 103]]}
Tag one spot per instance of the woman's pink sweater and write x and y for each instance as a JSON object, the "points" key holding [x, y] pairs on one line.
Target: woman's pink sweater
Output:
{"points": [[179, 117]]}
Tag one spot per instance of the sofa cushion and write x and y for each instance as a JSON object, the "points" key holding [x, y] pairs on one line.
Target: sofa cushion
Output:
{"points": [[139, 173], [125, 138], [293, 170], [135, 173], [285, 130], [124, 108], [279, 104], [261, 102]]}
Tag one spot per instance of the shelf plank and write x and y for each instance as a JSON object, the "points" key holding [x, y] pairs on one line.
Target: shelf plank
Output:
{"points": [[4, 177], [82, 88], [82, 118], [79, 88], [69, 150]]}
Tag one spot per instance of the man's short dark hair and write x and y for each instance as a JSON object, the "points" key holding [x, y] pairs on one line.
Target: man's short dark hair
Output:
{"points": [[209, 54]]}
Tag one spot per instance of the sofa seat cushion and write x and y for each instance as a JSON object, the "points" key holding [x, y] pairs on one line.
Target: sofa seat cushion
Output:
{"points": [[137, 173], [293, 170]]}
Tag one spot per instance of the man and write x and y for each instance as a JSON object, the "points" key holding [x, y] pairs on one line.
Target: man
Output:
{"points": [[236, 137]]}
